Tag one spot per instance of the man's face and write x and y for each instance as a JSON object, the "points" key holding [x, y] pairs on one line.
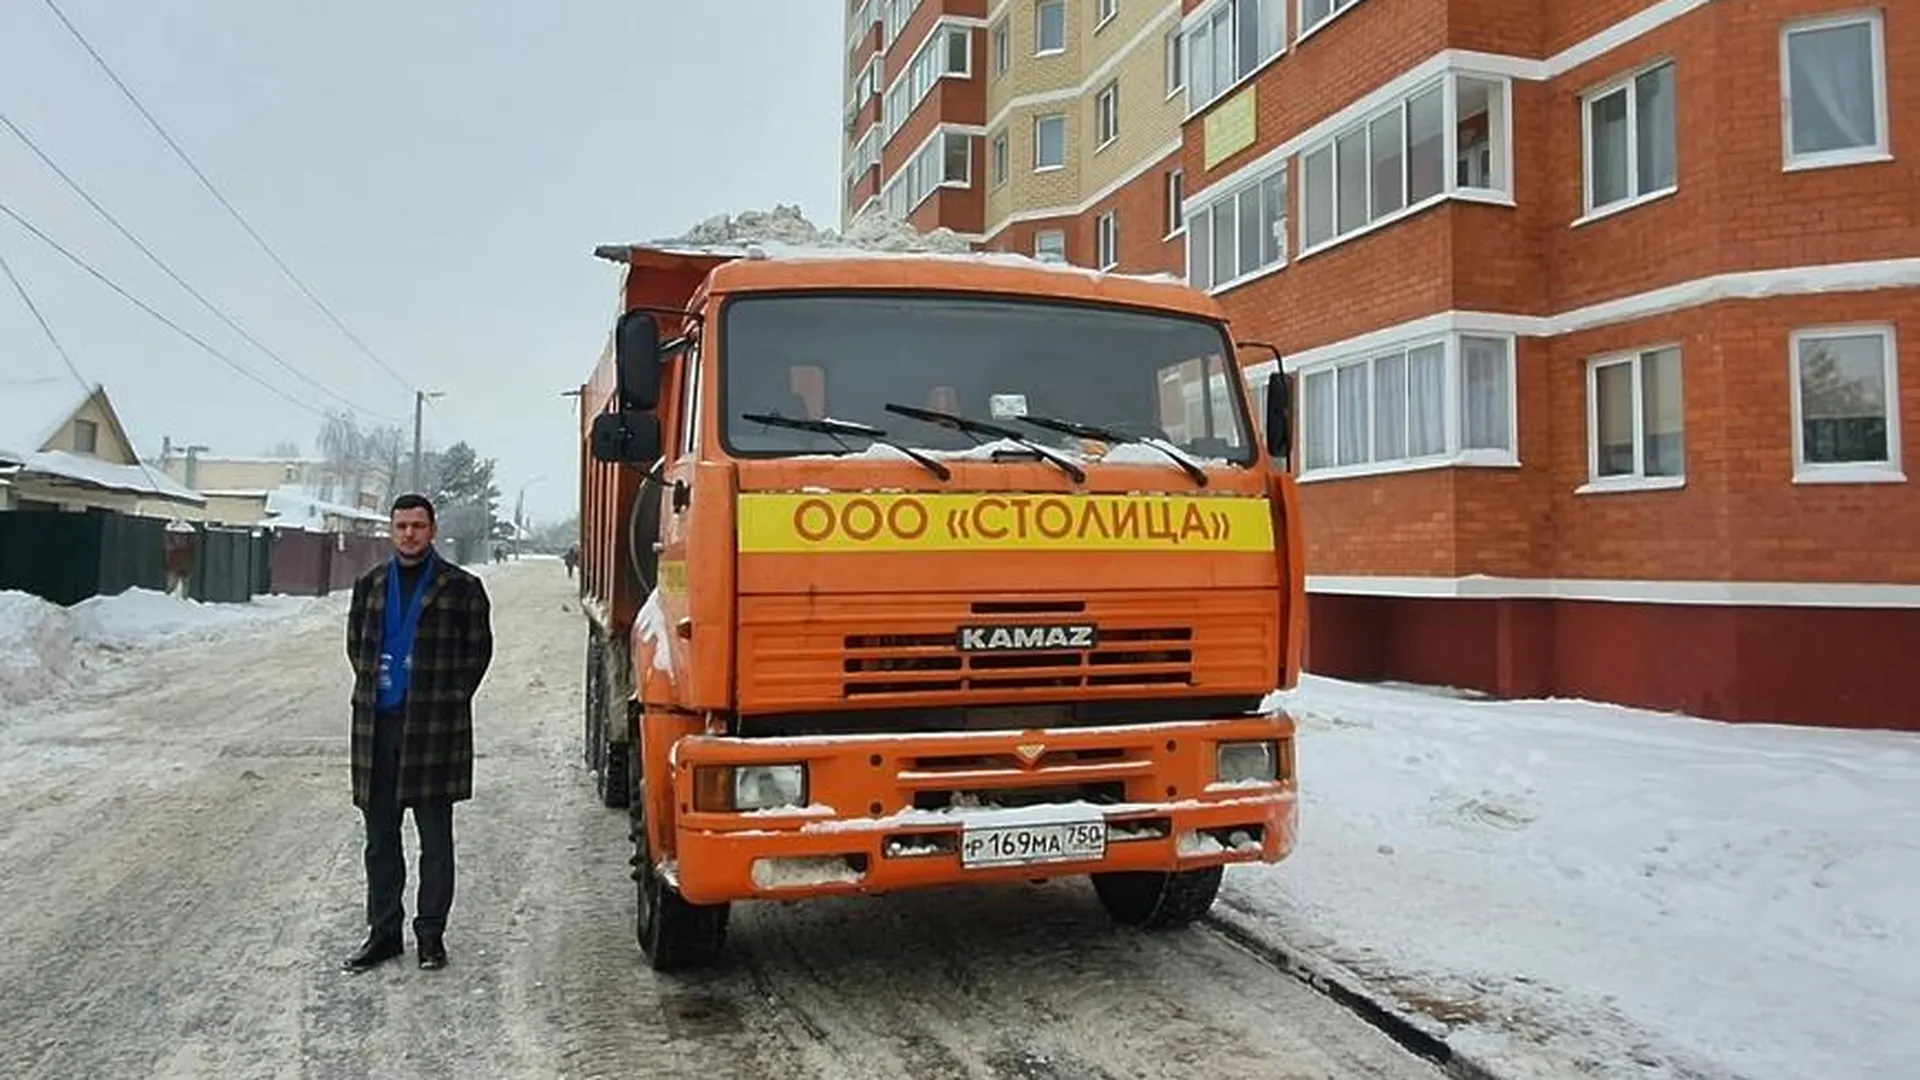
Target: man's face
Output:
{"points": [[412, 532]]}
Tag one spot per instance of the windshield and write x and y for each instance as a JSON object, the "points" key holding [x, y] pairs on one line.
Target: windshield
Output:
{"points": [[846, 357]]}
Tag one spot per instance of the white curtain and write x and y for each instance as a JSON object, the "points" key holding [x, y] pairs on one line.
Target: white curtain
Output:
{"points": [[1353, 414], [1483, 392], [1390, 407], [1830, 78], [1322, 420], [1427, 400]]}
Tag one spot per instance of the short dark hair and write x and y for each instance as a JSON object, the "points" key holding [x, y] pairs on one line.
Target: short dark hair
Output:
{"points": [[413, 501]]}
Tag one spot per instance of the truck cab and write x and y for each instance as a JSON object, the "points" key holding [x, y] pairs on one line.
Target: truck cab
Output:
{"points": [[908, 571]]}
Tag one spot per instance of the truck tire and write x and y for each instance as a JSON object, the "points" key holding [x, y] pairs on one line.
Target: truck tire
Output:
{"points": [[615, 779], [674, 935], [1152, 900]]}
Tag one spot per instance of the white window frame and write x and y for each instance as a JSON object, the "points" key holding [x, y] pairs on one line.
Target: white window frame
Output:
{"points": [[1455, 455], [1201, 215], [1175, 62], [1450, 188], [1636, 480], [1106, 240], [1625, 84], [1174, 195], [1104, 13], [1000, 44], [1000, 158], [1892, 470], [1199, 29], [1882, 149], [926, 172], [1040, 7], [1039, 245], [1335, 9], [1106, 116], [1039, 166], [925, 70]]}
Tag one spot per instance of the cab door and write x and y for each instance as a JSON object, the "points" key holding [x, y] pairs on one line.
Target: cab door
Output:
{"points": [[678, 461]]}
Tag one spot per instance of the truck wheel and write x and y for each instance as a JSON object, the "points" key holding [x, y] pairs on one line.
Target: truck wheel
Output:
{"points": [[673, 934], [1152, 900], [615, 779]]}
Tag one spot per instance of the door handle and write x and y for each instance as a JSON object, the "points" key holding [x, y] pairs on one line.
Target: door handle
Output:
{"points": [[682, 495]]}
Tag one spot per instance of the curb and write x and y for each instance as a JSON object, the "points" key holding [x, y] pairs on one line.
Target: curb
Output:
{"points": [[1419, 1035]]}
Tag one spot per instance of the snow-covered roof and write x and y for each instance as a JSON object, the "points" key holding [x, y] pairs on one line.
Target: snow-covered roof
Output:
{"points": [[302, 508], [32, 411], [94, 472]]}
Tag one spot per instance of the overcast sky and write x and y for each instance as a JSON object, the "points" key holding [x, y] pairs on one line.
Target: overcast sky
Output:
{"points": [[437, 171]]}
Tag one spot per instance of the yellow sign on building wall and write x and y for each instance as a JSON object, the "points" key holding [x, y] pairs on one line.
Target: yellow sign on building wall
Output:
{"points": [[1229, 128]]}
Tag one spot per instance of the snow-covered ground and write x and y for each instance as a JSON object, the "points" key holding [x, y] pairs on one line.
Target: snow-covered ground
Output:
{"points": [[1579, 889]]}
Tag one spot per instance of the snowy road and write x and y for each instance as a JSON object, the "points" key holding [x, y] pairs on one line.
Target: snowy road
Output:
{"points": [[179, 877]]}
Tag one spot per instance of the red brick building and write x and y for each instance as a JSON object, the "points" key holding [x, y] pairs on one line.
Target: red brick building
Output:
{"points": [[1601, 318]]}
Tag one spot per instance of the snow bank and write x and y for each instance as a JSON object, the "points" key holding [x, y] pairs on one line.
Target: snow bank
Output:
{"points": [[787, 226], [143, 618], [45, 648], [36, 648], [1580, 889]]}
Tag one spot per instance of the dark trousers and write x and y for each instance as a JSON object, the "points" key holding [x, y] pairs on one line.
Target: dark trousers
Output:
{"points": [[386, 859]]}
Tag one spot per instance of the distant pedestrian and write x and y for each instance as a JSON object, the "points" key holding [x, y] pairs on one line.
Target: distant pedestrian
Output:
{"points": [[420, 638], [571, 558]]}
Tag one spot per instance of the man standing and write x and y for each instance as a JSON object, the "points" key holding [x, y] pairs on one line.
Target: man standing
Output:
{"points": [[419, 637]]}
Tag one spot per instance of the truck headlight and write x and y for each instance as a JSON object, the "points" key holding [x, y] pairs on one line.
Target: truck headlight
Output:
{"points": [[769, 787], [1240, 762]]}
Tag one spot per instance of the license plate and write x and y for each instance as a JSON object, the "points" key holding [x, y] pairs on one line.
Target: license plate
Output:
{"points": [[1022, 845]]}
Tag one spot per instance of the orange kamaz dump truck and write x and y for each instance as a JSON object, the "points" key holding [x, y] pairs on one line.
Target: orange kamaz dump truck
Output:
{"points": [[908, 571]]}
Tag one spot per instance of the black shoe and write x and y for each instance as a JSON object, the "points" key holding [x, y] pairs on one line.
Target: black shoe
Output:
{"points": [[433, 954], [375, 952]]}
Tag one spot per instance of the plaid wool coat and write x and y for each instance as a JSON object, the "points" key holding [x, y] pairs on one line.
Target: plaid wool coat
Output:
{"points": [[451, 652]]}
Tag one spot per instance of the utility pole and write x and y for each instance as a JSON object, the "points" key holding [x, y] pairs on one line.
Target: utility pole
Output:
{"points": [[419, 403]]}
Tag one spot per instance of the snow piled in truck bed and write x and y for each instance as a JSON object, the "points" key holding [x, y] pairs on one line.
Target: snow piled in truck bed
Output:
{"points": [[1590, 890], [785, 233]]}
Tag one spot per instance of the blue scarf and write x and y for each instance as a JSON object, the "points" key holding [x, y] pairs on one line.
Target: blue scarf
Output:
{"points": [[396, 638]]}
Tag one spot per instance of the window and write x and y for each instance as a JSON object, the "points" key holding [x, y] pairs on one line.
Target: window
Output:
{"points": [[1835, 88], [1002, 48], [1000, 156], [1106, 240], [1049, 27], [1176, 202], [1392, 406], [1238, 234], [86, 437], [1105, 10], [948, 51], [1228, 43], [1106, 115], [1176, 63], [1845, 402], [1635, 417], [1315, 12], [1394, 162], [1630, 140], [1049, 141], [898, 12], [690, 400], [1050, 245], [946, 160]]}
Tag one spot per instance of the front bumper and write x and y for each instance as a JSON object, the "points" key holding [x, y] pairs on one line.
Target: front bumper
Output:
{"points": [[882, 813]]}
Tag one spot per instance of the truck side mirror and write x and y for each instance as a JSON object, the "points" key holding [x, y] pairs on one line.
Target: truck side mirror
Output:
{"points": [[1279, 420], [626, 438], [636, 361]]}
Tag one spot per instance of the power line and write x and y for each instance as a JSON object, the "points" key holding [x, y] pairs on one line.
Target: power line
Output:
{"points": [[222, 199], [177, 279], [142, 305], [65, 357]]}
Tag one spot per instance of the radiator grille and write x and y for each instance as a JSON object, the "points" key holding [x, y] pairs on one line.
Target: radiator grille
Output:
{"points": [[876, 664]]}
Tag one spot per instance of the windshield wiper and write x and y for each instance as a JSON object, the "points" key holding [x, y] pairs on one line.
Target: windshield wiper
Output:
{"points": [[1108, 435], [970, 426], [833, 429]]}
